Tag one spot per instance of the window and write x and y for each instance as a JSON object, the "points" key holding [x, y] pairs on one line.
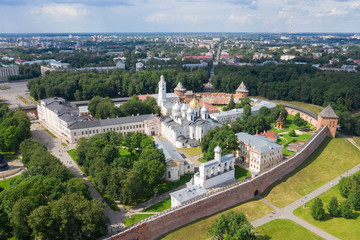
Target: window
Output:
{"points": [[169, 174], [82, 132], [97, 131], [74, 134]]}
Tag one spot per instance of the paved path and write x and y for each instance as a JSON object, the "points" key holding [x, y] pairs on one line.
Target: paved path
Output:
{"points": [[287, 212], [55, 148]]}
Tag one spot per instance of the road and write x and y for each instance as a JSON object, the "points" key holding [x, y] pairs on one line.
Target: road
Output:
{"points": [[55, 148], [287, 212]]}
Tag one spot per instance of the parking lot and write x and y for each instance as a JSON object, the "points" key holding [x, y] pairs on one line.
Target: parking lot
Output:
{"points": [[17, 90]]}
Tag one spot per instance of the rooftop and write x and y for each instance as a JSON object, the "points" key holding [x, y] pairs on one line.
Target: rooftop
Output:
{"points": [[188, 193], [328, 112], [169, 151], [261, 144]]}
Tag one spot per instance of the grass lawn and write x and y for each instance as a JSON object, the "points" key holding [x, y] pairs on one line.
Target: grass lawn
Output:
{"points": [[308, 106], [241, 173], [124, 152], [167, 186], [287, 153], [4, 87], [198, 230], [6, 183], [282, 229], [64, 144], [160, 206], [73, 155], [332, 158], [135, 218], [202, 160], [339, 227], [191, 151], [285, 139]]}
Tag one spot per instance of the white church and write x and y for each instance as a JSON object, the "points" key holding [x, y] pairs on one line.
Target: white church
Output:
{"points": [[186, 124], [212, 173]]}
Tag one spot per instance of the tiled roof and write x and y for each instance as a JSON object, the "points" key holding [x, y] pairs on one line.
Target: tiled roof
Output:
{"points": [[328, 112], [242, 88]]}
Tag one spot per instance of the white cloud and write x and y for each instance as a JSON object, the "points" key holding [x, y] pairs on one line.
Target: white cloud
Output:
{"points": [[332, 12], [60, 12], [175, 18], [241, 20]]}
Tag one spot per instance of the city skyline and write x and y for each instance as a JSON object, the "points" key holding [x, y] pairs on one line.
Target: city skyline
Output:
{"points": [[20, 16]]}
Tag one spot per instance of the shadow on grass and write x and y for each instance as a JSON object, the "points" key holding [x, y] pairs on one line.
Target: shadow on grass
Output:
{"points": [[306, 163], [266, 237]]}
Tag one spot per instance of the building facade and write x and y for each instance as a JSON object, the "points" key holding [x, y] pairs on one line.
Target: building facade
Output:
{"points": [[8, 70], [258, 151]]}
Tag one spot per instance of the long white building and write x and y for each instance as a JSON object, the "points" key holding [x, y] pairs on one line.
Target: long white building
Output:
{"points": [[62, 118]]}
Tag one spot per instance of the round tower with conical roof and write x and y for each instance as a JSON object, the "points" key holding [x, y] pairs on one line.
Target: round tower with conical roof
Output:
{"points": [[328, 117], [180, 90]]}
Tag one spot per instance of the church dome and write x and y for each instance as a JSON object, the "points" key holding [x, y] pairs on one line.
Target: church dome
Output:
{"points": [[183, 108], [194, 104], [190, 111], [217, 149], [176, 107], [204, 109]]}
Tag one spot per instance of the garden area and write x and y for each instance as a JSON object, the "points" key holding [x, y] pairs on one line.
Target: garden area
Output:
{"points": [[4, 184], [290, 125], [135, 218], [339, 226], [191, 151], [322, 166], [159, 207], [241, 173]]}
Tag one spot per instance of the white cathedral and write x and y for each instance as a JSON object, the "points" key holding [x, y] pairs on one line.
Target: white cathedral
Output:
{"points": [[187, 124]]}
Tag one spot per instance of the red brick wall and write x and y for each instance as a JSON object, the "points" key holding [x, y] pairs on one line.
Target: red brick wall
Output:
{"points": [[165, 222], [303, 115]]}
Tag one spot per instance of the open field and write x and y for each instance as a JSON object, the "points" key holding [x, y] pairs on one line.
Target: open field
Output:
{"points": [[339, 227], [198, 230], [167, 186], [191, 151], [357, 140], [160, 206], [135, 218], [332, 158], [282, 229]]}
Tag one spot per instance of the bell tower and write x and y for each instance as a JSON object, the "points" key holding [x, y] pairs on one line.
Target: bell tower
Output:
{"points": [[162, 92]]}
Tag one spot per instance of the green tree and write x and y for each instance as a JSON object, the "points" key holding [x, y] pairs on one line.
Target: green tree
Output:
{"points": [[333, 207], [354, 198], [247, 111], [231, 225], [348, 185], [317, 209], [298, 121], [21, 210], [230, 105], [346, 209]]}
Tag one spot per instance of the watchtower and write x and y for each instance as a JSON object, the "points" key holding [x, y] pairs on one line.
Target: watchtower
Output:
{"points": [[328, 117], [241, 91]]}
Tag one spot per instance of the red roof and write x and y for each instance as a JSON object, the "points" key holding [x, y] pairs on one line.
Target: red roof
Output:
{"points": [[20, 60], [270, 135], [198, 57], [145, 96], [210, 107]]}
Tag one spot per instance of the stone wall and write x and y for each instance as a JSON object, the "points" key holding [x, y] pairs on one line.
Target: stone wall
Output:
{"points": [[210, 203]]}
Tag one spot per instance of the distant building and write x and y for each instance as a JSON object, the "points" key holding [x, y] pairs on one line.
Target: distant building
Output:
{"points": [[287, 57], [8, 70], [258, 151], [241, 91]]}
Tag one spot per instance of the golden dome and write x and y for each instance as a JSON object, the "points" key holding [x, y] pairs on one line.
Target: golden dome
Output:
{"points": [[194, 104]]}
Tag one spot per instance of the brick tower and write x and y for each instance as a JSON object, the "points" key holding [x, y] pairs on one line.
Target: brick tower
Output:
{"points": [[180, 90], [241, 91], [328, 117]]}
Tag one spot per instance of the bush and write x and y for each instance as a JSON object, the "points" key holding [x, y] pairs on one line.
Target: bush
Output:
{"points": [[348, 185], [333, 207], [317, 209], [292, 133]]}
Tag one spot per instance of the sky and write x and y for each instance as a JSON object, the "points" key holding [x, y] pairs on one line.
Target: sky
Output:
{"points": [[57, 16]]}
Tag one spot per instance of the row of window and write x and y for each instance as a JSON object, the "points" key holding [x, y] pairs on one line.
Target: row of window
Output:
{"points": [[131, 127]]}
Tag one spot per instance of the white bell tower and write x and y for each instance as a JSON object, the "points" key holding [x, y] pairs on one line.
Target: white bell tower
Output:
{"points": [[162, 92]]}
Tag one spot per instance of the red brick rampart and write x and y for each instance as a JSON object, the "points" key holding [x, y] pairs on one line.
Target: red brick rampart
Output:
{"points": [[166, 221]]}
